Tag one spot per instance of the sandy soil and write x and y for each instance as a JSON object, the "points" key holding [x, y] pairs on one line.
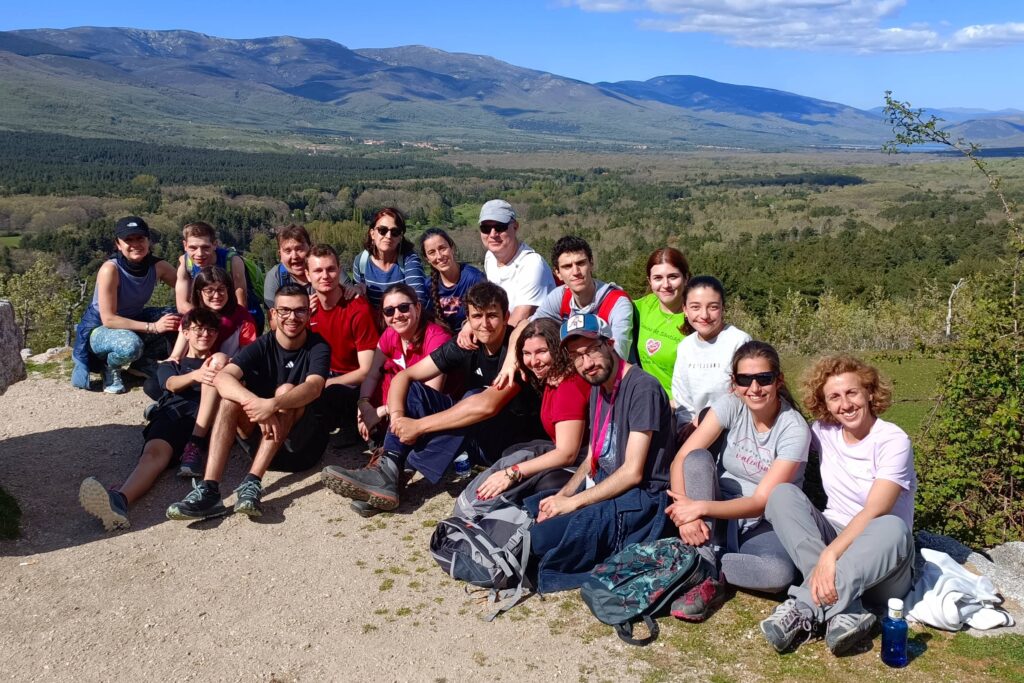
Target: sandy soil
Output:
{"points": [[309, 591]]}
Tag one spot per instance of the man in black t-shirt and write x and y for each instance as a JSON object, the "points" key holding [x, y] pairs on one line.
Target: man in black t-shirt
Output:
{"points": [[429, 429], [268, 383], [170, 423]]}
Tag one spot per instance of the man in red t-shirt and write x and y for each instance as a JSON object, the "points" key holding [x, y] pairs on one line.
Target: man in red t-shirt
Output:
{"points": [[349, 328]]}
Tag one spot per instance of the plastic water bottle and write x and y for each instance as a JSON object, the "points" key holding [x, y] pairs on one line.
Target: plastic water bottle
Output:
{"points": [[894, 636], [462, 466]]}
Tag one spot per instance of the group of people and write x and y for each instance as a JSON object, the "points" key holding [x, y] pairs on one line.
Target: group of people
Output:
{"points": [[611, 421]]}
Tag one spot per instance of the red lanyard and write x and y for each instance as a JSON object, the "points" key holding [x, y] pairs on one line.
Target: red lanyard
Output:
{"points": [[601, 432]]}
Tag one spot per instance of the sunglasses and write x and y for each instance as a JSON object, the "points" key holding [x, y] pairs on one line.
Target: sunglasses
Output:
{"points": [[390, 310], [486, 228], [395, 232], [764, 379]]}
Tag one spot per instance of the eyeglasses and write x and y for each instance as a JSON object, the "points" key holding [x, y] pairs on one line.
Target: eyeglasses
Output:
{"points": [[389, 311], [202, 331], [764, 379], [395, 232], [214, 291], [593, 352], [488, 226], [291, 312]]}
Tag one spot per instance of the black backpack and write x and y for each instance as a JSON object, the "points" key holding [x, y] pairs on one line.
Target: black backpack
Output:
{"points": [[491, 552], [639, 582]]}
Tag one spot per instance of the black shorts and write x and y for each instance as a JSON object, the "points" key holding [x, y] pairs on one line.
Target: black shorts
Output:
{"points": [[302, 449], [337, 406], [173, 424]]}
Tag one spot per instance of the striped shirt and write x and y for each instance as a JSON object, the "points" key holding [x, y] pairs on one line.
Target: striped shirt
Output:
{"points": [[409, 270]]}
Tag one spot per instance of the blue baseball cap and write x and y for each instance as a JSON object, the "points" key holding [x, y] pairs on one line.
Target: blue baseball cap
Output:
{"points": [[584, 325]]}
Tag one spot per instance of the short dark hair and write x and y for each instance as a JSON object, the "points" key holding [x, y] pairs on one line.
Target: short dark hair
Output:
{"points": [[292, 232], [199, 229], [213, 275], [291, 289], [483, 295], [570, 244], [201, 317], [322, 251]]}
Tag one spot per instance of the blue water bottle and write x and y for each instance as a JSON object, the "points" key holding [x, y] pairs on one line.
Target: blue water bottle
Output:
{"points": [[462, 467], [894, 636]]}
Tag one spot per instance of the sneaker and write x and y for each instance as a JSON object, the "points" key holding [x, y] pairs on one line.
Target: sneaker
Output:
{"points": [[699, 602], [147, 412], [107, 506], [112, 382], [80, 375], [377, 484], [789, 620], [248, 502], [201, 503], [193, 461], [846, 629]]}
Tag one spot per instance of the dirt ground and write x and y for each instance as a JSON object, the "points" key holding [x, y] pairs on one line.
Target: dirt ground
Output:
{"points": [[310, 591]]}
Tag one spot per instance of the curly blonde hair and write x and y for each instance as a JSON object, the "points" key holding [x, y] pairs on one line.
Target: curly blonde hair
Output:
{"points": [[878, 387]]}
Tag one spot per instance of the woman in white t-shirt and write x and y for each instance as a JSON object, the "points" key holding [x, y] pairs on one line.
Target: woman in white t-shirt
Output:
{"points": [[861, 548], [703, 358], [718, 503]]}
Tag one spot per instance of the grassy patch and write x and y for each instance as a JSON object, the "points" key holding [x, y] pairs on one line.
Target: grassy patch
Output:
{"points": [[12, 241], [387, 584], [10, 516]]}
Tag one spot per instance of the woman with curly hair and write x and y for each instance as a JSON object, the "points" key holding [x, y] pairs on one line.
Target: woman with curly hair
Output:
{"points": [[860, 549], [565, 399]]}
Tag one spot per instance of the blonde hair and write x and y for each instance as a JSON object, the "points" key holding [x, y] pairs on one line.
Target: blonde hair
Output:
{"points": [[878, 387]]}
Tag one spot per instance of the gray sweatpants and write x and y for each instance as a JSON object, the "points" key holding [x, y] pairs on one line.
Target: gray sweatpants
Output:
{"points": [[761, 562], [877, 565]]}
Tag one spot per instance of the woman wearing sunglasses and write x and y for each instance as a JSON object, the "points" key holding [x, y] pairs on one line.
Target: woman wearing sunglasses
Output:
{"points": [[389, 258], [860, 549], [408, 337], [718, 506]]}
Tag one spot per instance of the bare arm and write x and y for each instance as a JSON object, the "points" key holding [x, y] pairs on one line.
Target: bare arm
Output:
{"points": [[705, 434], [238, 280], [470, 410], [780, 472], [182, 288], [356, 377], [509, 368], [423, 371], [520, 314], [300, 395]]}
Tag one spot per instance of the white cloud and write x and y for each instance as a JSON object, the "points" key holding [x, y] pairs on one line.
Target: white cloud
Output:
{"points": [[866, 26]]}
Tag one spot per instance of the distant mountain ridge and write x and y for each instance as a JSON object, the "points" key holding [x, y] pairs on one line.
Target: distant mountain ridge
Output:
{"points": [[186, 86]]}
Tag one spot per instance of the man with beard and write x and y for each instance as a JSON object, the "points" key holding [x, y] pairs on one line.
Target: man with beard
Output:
{"points": [[268, 383], [617, 496]]}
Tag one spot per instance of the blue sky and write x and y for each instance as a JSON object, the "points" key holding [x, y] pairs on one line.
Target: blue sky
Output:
{"points": [[936, 53]]}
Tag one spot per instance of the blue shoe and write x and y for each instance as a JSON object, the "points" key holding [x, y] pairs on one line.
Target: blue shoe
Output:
{"points": [[107, 506], [112, 382], [80, 375]]}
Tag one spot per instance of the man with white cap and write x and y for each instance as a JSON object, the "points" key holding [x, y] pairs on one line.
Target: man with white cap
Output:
{"points": [[518, 269], [617, 496]]}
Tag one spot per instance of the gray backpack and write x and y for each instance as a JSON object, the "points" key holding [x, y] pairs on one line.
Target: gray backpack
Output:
{"points": [[491, 552]]}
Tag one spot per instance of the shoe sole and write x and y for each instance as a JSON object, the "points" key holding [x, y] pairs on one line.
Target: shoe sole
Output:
{"points": [[179, 516], [344, 487], [364, 509], [96, 501], [850, 639], [186, 473], [248, 510], [109, 390]]}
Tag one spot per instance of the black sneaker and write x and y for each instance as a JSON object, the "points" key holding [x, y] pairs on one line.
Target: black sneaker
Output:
{"points": [[202, 503], [376, 484], [107, 506], [248, 502], [789, 620]]}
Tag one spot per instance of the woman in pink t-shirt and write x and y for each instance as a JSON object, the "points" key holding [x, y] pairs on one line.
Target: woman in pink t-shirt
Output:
{"points": [[565, 401], [408, 337], [860, 549]]}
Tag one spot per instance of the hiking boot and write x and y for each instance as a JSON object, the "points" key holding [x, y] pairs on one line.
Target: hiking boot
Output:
{"points": [[202, 503], [112, 382], [80, 375], [789, 620], [193, 461], [699, 602], [377, 484], [846, 629], [110, 507], [248, 502]]}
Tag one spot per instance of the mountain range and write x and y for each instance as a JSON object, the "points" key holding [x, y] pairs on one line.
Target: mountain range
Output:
{"points": [[181, 86]]}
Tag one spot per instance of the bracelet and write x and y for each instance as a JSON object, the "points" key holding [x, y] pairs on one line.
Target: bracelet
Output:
{"points": [[513, 474], [149, 328]]}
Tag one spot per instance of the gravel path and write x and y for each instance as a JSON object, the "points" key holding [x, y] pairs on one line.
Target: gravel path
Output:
{"points": [[310, 591]]}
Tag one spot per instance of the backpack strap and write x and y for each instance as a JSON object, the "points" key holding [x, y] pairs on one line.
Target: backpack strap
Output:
{"points": [[283, 276], [607, 303], [510, 598], [625, 632], [566, 299]]}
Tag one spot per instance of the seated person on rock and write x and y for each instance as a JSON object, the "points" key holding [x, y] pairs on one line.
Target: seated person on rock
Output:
{"points": [[268, 385], [617, 496], [117, 329], [199, 240], [169, 427], [349, 327], [429, 429]]}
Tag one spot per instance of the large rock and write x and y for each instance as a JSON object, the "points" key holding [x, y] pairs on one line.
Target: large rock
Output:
{"points": [[12, 369]]}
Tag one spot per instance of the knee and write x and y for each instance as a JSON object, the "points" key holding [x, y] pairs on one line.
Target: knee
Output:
{"points": [[764, 573], [894, 533], [781, 499], [156, 452], [698, 463], [219, 360], [284, 389]]}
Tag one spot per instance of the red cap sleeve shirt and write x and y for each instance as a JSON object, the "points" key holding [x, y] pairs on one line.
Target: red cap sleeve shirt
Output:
{"points": [[349, 328], [568, 401]]}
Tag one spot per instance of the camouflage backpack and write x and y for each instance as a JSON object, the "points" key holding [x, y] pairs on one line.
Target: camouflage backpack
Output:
{"points": [[640, 581]]}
